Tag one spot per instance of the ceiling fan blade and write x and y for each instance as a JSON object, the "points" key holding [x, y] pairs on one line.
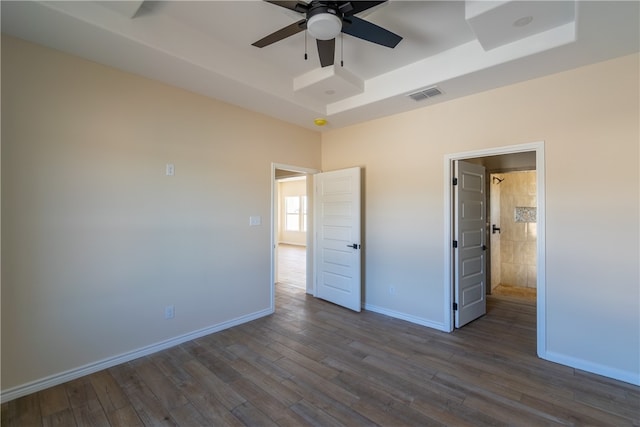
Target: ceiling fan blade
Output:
{"points": [[282, 33], [296, 6], [365, 30], [352, 7], [326, 51]]}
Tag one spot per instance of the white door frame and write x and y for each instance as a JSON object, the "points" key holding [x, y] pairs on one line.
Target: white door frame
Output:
{"points": [[538, 147], [274, 225]]}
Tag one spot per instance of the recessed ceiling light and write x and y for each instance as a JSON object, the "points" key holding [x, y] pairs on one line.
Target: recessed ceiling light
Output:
{"points": [[522, 22], [320, 121], [330, 92]]}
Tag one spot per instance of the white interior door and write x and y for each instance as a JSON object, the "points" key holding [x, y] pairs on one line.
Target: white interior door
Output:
{"points": [[337, 219], [470, 272]]}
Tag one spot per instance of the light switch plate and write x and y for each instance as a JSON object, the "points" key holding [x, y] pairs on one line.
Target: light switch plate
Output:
{"points": [[255, 220]]}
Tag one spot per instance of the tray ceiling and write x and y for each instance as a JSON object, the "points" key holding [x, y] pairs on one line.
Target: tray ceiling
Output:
{"points": [[205, 47]]}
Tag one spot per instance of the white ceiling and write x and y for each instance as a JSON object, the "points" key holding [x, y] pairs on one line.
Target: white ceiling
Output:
{"points": [[205, 47]]}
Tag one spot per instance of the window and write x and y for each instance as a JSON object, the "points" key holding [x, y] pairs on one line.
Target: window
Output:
{"points": [[295, 208]]}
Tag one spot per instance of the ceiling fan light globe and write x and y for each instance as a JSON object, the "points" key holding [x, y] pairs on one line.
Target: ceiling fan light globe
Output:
{"points": [[324, 26]]}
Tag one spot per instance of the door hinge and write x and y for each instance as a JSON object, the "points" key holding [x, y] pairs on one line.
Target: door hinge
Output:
{"points": [[455, 306], [455, 181], [455, 243]]}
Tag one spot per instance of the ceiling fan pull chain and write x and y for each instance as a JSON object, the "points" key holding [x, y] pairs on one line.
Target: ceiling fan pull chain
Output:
{"points": [[305, 46], [342, 49]]}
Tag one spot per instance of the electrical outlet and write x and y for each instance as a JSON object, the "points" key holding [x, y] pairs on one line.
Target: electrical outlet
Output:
{"points": [[169, 312], [392, 290]]}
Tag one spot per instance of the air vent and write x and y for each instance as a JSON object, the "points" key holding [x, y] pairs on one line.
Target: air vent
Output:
{"points": [[423, 94]]}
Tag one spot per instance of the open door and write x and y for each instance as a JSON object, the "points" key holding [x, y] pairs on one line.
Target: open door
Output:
{"points": [[338, 257], [469, 253]]}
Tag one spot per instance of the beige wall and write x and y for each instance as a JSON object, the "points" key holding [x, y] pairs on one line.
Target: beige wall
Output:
{"points": [[96, 240], [588, 119]]}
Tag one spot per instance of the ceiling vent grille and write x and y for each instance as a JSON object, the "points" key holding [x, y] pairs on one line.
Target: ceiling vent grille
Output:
{"points": [[427, 93]]}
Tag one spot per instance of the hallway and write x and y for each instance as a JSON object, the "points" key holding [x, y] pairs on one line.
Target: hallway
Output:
{"points": [[292, 265]]}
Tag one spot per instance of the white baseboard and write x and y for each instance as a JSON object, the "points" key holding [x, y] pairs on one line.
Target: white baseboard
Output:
{"points": [[72, 374], [284, 242], [407, 317], [594, 368]]}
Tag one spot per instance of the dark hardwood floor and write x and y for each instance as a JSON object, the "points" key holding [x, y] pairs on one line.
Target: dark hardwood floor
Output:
{"points": [[313, 363]]}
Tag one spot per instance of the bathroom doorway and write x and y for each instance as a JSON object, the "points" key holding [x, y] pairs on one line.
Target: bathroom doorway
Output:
{"points": [[501, 160], [511, 231]]}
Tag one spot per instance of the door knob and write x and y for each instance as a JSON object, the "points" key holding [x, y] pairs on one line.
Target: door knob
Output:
{"points": [[354, 246]]}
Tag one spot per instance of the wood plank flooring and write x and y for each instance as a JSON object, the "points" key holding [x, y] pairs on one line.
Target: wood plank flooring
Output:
{"points": [[292, 265], [316, 364]]}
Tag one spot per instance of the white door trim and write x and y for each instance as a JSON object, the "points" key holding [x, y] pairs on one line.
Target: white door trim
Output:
{"points": [[538, 147], [274, 216]]}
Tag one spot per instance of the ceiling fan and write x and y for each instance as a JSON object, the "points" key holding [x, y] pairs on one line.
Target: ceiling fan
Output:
{"points": [[325, 20]]}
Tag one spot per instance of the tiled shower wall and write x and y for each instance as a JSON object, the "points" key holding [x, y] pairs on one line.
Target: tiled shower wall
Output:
{"points": [[518, 236]]}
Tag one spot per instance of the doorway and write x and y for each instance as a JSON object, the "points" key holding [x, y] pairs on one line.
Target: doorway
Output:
{"points": [[283, 172], [501, 161], [334, 224], [291, 228]]}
